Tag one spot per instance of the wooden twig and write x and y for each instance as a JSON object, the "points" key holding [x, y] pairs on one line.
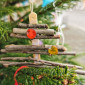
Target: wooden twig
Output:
{"points": [[7, 64], [15, 58], [55, 64], [81, 72], [37, 37], [38, 31], [42, 62], [37, 52], [33, 47], [32, 25]]}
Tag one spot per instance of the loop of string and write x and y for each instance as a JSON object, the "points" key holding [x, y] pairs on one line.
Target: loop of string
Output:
{"points": [[59, 27]]}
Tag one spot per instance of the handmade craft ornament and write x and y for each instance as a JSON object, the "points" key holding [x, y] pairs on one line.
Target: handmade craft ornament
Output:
{"points": [[33, 18], [31, 33], [46, 2], [53, 50]]}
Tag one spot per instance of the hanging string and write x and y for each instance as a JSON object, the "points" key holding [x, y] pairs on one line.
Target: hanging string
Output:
{"points": [[59, 28], [31, 5], [61, 33]]}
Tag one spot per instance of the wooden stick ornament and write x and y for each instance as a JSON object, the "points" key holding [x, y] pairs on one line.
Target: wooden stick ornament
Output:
{"points": [[33, 20]]}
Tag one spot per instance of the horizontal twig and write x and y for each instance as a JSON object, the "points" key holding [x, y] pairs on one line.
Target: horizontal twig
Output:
{"points": [[32, 25], [37, 37], [43, 62], [7, 64], [81, 72], [33, 47], [38, 31], [37, 52], [55, 64]]}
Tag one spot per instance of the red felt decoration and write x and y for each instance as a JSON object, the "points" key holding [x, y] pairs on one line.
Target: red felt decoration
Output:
{"points": [[16, 83], [31, 33]]}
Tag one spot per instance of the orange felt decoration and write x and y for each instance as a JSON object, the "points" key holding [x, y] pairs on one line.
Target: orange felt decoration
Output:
{"points": [[53, 50], [21, 20], [31, 33]]}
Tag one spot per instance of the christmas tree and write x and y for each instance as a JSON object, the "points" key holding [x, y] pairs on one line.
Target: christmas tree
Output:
{"points": [[18, 30]]}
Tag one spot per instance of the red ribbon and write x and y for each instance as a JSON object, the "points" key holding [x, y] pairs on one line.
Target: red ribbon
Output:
{"points": [[16, 83]]}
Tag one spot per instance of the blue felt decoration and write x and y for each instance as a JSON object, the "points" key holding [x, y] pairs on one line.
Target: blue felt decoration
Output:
{"points": [[46, 2]]}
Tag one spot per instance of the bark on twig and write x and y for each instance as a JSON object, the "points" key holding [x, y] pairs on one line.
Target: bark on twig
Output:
{"points": [[33, 47], [38, 31], [7, 64], [37, 52], [43, 62], [32, 25], [37, 37], [81, 72]]}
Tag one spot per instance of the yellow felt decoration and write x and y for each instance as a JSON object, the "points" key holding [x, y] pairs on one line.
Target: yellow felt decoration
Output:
{"points": [[53, 50]]}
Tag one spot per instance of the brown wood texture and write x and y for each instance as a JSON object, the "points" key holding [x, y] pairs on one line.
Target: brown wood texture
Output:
{"points": [[7, 64], [37, 52], [23, 25], [38, 31], [33, 47], [37, 37], [42, 62], [81, 72]]}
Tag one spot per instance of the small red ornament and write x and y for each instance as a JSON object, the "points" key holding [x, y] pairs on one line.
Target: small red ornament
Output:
{"points": [[21, 20], [31, 33]]}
